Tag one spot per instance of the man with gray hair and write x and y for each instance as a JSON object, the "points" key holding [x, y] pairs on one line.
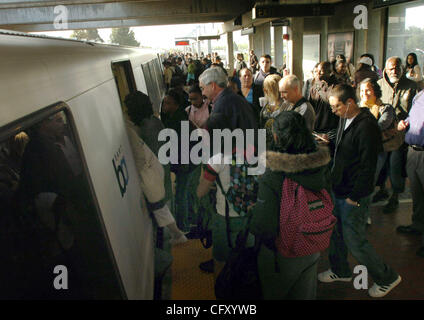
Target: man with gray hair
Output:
{"points": [[213, 83], [398, 91], [291, 91]]}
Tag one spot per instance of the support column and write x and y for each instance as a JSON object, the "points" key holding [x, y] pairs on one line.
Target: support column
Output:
{"points": [[251, 44], [230, 52], [209, 47], [278, 47], [296, 47], [266, 39], [199, 49], [257, 41], [323, 39]]}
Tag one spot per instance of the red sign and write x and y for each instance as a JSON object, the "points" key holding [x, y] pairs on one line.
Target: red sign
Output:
{"points": [[182, 43]]}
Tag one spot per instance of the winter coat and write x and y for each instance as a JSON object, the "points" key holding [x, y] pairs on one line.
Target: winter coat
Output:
{"points": [[399, 96], [309, 170], [355, 159]]}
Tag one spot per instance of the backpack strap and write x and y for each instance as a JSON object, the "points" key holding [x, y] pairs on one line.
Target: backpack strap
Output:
{"points": [[227, 212], [299, 103]]}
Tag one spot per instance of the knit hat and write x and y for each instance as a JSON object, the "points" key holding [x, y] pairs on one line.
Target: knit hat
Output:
{"points": [[366, 60]]}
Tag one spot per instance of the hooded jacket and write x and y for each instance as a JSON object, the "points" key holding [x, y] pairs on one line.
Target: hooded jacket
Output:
{"points": [[399, 95], [355, 159], [309, 170]]}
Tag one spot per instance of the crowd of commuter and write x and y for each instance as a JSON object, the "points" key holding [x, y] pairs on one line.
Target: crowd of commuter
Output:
{"points": [[346, 130]]}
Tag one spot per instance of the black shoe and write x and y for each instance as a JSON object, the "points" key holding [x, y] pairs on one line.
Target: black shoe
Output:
{"points": [[420, 252], [391, 206], [194, 233], [207, 266], [380, 196], [408, 230]]}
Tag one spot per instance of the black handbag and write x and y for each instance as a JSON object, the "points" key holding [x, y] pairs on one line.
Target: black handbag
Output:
{"points": [[239, 279]]}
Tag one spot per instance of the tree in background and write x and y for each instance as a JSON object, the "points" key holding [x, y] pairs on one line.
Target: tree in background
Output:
{"points": [[124, 37], [87, 34]]}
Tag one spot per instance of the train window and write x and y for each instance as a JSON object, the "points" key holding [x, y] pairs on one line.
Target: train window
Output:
{"points": [[149, 77], [159, 78], [52, 240], [124, 79], [405, 31]]}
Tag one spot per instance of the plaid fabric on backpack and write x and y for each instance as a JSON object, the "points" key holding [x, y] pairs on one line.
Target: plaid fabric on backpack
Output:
{"points": [[306, 220], [243, 189]]}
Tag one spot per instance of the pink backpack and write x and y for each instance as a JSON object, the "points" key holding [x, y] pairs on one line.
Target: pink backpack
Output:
{"points": [[306, 220]]}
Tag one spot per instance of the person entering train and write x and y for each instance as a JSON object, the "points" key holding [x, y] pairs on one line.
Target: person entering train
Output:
{"points": [[358, 144], [152, 181], [172, 116], [148, 127]]}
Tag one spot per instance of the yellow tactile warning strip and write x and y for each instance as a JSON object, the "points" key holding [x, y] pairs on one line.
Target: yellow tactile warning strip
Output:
{"points": [[188, 281]]}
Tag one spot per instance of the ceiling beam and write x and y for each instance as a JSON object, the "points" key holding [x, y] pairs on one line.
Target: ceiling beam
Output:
{"points": [[140, 12], [151, 21]]}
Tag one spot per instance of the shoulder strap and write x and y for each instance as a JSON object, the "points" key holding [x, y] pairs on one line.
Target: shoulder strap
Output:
{"points": [[227, 212], [256, 76], [299, 103]]}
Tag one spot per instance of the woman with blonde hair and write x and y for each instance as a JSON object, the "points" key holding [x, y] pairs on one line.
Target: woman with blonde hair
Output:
{"points": [[273, 107], [370, 94]]}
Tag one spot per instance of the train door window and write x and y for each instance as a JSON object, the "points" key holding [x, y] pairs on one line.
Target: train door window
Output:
{"points": [[159, 78], [151, 86], [156, 77], [53, 244], [124, 79]]}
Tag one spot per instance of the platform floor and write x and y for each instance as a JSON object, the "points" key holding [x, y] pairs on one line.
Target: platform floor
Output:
{"points": [[189, 283]]}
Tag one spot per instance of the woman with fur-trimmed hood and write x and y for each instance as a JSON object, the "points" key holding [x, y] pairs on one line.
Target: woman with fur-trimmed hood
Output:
{"points": [[296, 156]]}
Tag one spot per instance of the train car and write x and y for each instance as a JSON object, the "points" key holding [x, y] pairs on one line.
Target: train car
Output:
{"points": [[73, 219]]}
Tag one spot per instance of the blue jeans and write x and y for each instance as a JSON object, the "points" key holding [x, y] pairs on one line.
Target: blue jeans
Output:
{"points": [[397, 160], [349, 234], [381, 160]]}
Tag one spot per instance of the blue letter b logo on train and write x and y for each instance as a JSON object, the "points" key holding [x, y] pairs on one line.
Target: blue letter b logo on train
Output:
{"points": [[121, 172]]}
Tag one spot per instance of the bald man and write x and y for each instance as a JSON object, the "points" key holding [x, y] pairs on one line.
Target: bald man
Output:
{"points": [[291, 91]]}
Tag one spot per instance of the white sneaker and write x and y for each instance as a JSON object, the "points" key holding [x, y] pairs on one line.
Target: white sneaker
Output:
{"points": [[330, 276], [180, 240], [368, 221], [377, 291]]}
